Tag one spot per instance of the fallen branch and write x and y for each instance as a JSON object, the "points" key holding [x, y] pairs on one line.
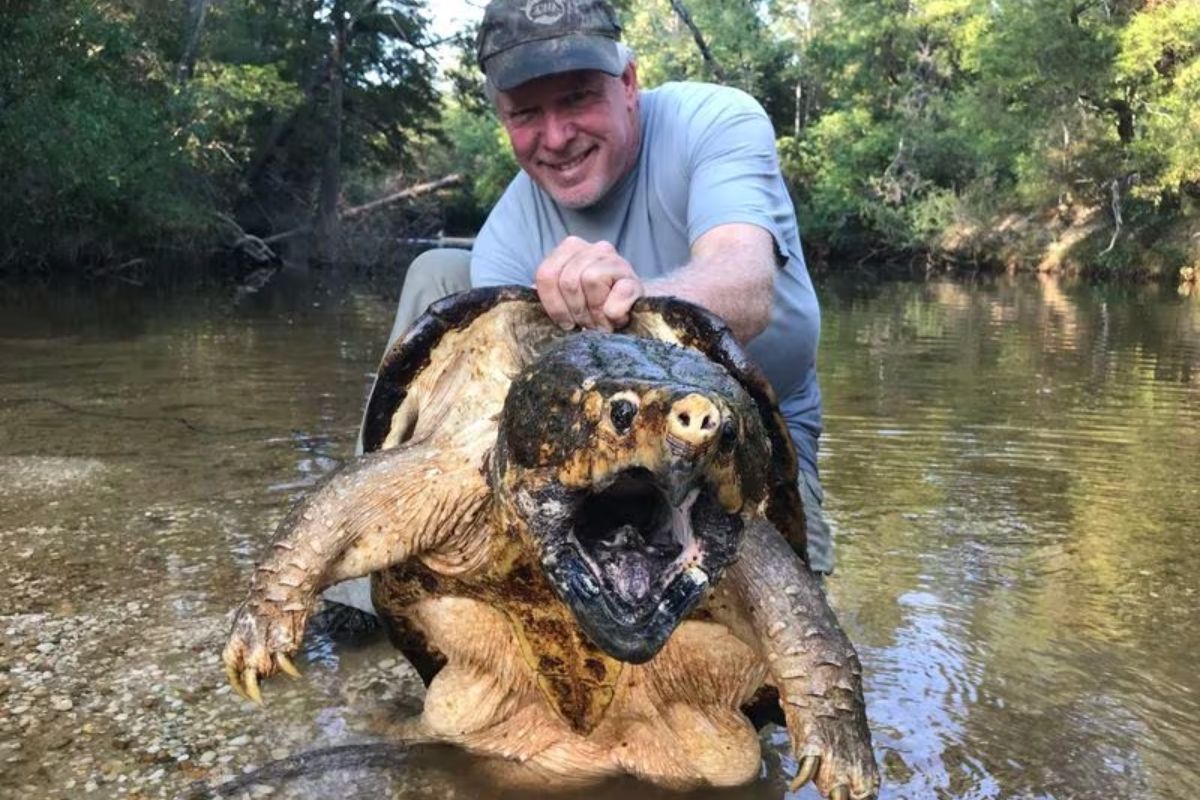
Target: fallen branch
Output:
{"points": [[420, 190], [109, 270], [249, 245], [464, 242]]}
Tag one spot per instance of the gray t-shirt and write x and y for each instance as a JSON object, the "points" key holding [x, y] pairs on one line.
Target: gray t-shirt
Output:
{"points": [[707, 158]]}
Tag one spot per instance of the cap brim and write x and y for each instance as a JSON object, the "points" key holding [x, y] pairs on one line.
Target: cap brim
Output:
{"points": [[516, 65]]}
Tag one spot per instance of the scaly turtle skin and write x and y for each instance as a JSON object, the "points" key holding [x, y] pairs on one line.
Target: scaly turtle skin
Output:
{"points": [[588, 545]]}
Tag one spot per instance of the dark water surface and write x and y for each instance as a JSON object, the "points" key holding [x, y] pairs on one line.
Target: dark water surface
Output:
{"points": [[1013, 471]]}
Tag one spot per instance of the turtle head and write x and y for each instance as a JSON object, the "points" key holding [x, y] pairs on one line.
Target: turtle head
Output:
{"points": [[629, 465]]}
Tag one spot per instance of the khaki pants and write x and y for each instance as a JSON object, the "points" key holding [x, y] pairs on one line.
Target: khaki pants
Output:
{"points": [[435, 274]]}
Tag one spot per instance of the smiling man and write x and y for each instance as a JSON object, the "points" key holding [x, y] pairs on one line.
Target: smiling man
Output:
{"points": [[625, 192]]}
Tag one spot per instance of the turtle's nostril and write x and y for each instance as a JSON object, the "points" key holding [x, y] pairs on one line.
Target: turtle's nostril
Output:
{"points": [[693, 420]]}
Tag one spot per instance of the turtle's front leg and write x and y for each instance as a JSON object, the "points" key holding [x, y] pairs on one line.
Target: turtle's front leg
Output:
{"points": [[379, 511], [809, 659]]}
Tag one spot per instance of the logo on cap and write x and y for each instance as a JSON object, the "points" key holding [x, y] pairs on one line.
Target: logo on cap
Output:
{"points": [[545, 12]]}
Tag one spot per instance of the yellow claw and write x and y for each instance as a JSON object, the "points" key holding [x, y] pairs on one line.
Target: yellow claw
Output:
{"points": [[808, 768], [250, 679], [840, 792], [235, 680], [286, 666]]}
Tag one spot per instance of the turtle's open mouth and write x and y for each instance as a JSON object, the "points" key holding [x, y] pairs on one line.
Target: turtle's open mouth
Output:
{"points": [[628, 562], [632, 539]]}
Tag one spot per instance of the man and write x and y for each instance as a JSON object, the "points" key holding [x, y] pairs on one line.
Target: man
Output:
{"points": [[624, 193]]}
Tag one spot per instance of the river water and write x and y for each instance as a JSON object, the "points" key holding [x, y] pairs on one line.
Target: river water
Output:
{"points": [[1012, 469]]}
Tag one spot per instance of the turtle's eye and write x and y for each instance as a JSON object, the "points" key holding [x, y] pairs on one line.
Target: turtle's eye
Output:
{"points": [[622, 413], [729, 435]]}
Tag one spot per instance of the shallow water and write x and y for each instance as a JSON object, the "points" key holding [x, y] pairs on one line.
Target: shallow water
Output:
{"points": [[1012, 470]]}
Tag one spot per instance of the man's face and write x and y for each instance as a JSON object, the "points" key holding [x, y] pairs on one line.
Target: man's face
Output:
{"points": [[575, 133]]}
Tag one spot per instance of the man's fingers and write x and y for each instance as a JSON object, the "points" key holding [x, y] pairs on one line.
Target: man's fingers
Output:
{"points": [[548, 278], [570, 286], [600, 280], [621, 297], [576, 283]]}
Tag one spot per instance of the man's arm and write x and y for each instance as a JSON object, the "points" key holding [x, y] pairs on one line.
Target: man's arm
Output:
{"points": [[731, 272]]}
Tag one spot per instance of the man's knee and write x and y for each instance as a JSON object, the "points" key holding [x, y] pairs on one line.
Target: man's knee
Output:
{"points": [[436, 273], [819, 532], [432, 275]]}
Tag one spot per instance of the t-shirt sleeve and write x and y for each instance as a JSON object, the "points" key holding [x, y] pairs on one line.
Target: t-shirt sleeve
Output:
{"points": [[735, 173], [498, 257]]}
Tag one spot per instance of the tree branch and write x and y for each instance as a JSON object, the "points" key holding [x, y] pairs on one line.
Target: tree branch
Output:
{"points": [[717, 70], [410, 193]]}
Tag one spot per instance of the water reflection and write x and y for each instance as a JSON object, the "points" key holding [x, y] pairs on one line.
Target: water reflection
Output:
{"points": [[1010, 467], [1013, 470]]}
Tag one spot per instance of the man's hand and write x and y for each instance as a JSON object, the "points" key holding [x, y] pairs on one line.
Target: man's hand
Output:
{"points": [[587, 285]]}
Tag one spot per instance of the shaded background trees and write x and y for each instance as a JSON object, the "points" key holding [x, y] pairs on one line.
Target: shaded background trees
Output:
{"points": [[143, 124], [1056, 133]]}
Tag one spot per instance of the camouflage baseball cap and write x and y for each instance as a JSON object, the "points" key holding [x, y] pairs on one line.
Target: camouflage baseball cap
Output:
{"points": [[520, 40]]}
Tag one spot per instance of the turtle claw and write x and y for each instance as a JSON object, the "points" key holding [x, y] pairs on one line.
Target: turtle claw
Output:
{"points": [[235, 680], [844, 768], [808, 768], [250, 682], [286, 666], [259, 646]]}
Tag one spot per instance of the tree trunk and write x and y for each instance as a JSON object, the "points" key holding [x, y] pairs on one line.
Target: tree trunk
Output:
{"points": [[1125, 126], [325, 226], [714, 66], [197, 12]]}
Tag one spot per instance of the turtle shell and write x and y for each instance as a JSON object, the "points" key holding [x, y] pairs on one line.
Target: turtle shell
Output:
{"points": [[456, 363]]}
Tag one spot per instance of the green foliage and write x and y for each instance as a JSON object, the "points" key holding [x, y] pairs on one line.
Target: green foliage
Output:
{"points": [[229, 104], [481, 151], [740, 37], [943, 127], [1054, 107], [108, 150], [88, 153], [1160, 60]]}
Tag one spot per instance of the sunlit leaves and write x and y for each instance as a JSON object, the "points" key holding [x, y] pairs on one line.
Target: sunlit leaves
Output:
{"points": [[228, 103], [991, 108]]}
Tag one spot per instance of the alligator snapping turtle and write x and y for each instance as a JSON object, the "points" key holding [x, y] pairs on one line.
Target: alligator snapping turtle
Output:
{"points": [[590, 546]]}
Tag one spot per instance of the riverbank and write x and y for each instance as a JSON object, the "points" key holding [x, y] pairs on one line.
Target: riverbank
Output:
{"points": [[1075, 244]]}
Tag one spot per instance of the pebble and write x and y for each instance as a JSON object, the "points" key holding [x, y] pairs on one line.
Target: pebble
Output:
{"points": [[60, 703]]}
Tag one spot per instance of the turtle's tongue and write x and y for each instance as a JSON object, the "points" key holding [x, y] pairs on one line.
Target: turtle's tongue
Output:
{"points": [[630, 574], [625, 564]]}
